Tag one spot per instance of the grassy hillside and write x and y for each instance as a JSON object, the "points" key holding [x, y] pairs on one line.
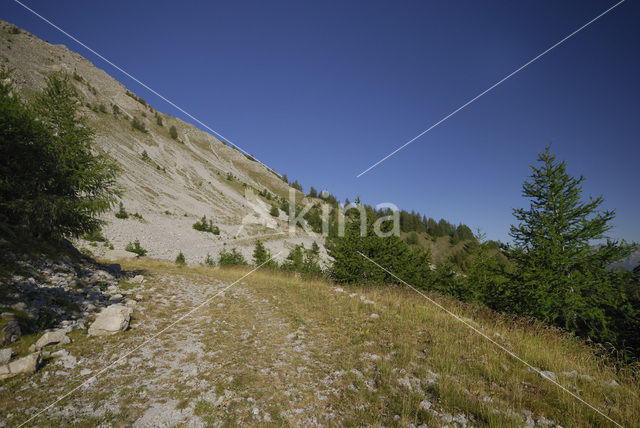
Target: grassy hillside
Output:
{"points": [[277, 350]]}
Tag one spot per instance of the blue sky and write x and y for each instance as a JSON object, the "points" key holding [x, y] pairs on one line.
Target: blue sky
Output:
{"points": [[321, 90]]}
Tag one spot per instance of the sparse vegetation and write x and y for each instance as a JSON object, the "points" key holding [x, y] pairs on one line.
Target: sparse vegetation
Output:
{"points": [[180, 260], [231, 258], [138, 125], [208, 260], [122, 212], [274, 211], [204, 225], [135, 247]]}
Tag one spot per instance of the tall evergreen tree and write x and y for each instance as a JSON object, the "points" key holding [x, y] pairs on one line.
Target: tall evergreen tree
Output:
{"points": [[563, 278]]}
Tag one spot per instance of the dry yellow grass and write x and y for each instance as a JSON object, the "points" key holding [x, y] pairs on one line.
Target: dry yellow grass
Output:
{"points": [[298, 349]]}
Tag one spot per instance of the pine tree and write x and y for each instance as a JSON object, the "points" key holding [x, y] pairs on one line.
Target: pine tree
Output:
{"points": [[563, 279]]}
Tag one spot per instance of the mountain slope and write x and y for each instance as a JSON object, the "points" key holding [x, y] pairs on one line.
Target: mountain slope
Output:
{"points": [[170, 182]]}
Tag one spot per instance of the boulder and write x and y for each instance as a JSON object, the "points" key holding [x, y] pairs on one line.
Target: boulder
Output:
{"points": [[138, 279], [115, 269], [119, 255], [111, 320], [28, 364], [52, 337], [9, 331], [5, 355]]}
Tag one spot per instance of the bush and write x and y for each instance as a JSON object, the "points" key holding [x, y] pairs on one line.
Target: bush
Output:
{"points": [[14, 30], [135, 247], [209, 260], [206, 226], [122, 213], [102, 108], [262, 256], [412, 239], [274, 211], [51, 183], [231, 258], [173, 132], [138, 125], [180, 260], [159, 120], [116, 110]]}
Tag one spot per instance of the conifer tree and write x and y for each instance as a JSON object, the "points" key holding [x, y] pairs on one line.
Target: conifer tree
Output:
{"points": [[563, 278]]}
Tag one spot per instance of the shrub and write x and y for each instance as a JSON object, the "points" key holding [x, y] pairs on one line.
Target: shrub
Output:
{"points": [[206, 226], [122, 213], [137, 215], [159, 120], [231, 258], [138, 125], [274, 211], [180, 260], [116, 110], [51, 183], [14, 30], [135, 247], [412, 239], [77, 77], [262, 256], [102, 108], [173, 132], [209, 260]]}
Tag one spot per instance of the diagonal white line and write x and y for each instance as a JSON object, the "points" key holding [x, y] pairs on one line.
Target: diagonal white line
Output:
{"points": [[490, 88], [171, 103], [577, 397], [145, 342]]}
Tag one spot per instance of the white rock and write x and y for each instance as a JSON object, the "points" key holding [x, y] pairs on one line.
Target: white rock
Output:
{"points": [[611, 383], [374, 316], [5, 355], [28, 364], [111, 320], [425, 405], [549, 375], [52, 337], [138, 279], [119, 255]]}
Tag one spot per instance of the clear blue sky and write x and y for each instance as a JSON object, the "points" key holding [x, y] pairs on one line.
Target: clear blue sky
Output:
{"points": [[321, 90]]}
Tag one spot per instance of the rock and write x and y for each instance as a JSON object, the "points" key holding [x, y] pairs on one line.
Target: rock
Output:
{"points": [[139, 297], [116, 298], [138, 279], [5, 355], [131, 303], [425, 405], [115, 269], [549, 375], [51, 337], [119, 255], [374, 316], [20, 306], [28, 364], [9, 332], [85, 372], [611, 383], [111, 320]]}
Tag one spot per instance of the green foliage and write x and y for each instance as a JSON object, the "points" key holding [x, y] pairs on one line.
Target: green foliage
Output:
{"points": [[412, 239], [145, 156], [77, 77], [560, 277], [180, 260], [262, 256], [94, 236], [137, 124], [296, 185], [389, 252], [285, 206], [313, 193], [116, 110], [302, 261], [284, 178], [231, 258], [173, 132], [135, 247], [122, 213], [14, 30], [159, 120], [102, 108], [52, 185], [206, 226], [274, 211], [208, 261]]}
